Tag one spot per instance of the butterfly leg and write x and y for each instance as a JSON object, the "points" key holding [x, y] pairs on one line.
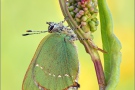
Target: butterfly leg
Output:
{"points": [[95, 46], [66, 18]]}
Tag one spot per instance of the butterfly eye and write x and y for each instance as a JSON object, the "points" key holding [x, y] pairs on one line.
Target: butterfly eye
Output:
{"points": [[50, 28]]}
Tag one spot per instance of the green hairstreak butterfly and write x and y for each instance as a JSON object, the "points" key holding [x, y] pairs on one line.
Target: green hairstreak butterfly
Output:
{"points": [[55, 65]]}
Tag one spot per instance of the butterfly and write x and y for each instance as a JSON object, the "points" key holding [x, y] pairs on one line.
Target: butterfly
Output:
{"points": [[55, 64]]}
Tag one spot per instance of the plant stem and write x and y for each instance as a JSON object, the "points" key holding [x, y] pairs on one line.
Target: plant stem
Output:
{"points": [[87, 44]]}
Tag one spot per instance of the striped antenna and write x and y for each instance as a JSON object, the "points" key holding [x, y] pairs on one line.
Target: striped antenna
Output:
{"points": [[31, 32]]}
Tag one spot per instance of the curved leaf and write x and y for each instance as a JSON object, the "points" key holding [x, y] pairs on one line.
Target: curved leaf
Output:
{"points": [[112, 45]]}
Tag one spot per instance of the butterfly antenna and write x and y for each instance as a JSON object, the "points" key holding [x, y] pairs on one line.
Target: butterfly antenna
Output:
{"points": [[31, 32]]}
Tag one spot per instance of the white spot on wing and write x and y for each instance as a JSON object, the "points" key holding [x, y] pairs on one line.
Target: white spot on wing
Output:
{"points": [[49, 73], [59, 76], [41, 67], [66, 75], [53, 75], [37, 65]]}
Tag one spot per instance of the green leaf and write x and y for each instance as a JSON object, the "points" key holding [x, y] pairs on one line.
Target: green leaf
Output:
{"points": [[112, 45]]}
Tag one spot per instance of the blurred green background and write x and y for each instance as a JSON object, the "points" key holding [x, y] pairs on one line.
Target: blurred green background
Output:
{"points": [[17, 51]]}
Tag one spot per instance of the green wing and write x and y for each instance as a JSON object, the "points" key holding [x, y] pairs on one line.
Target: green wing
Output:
{"points": [[54, 66]]}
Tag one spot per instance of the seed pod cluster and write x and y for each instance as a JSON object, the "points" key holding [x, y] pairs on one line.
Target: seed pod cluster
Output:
{"points": [[84, 13]]}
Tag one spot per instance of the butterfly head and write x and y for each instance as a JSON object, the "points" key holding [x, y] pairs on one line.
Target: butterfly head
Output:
{"points": [[54, 27]]}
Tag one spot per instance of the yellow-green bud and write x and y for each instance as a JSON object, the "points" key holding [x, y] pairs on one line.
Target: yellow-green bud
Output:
{"points": [[67, 3], [71, 8], [94, 19], [83, 23], [84, 18], [72, 14], [97, 23], [93, 29], [92, 24], [86, 28], [94, 15], [89, 15], [89, 5], [77, 20]]}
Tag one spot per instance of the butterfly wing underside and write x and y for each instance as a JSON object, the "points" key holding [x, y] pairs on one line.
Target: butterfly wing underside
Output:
{"points": [[54, 66]]}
